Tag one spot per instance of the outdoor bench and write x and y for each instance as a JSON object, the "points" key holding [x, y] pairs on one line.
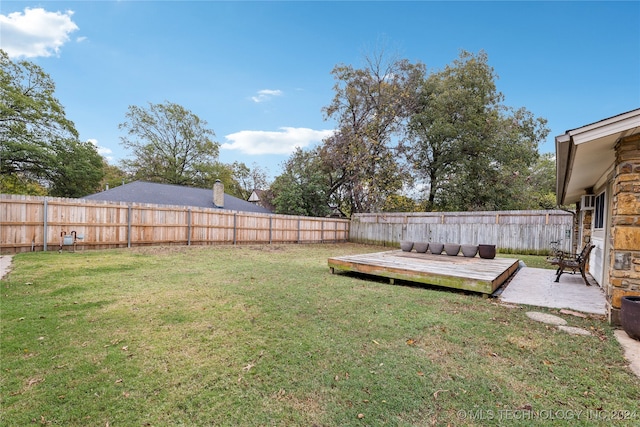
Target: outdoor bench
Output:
{"points": [[574, 263]]}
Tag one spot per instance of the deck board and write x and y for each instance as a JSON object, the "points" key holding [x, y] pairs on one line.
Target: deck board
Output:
{"points": [[472, 274]]}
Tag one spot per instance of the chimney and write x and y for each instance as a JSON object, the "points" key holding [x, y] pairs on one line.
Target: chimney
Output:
{"points": [[218, 194]]}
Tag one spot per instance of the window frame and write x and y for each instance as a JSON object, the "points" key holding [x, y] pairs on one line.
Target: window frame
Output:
{"points": [[599, 211]]}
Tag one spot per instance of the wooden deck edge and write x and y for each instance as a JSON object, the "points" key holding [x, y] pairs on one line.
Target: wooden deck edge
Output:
{"points": [[505, 275], [443, 280]]}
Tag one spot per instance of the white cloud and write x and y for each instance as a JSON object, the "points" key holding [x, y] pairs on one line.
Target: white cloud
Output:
{"points": [[36, 32], [103, 151], [265, 95], [284, 141]]}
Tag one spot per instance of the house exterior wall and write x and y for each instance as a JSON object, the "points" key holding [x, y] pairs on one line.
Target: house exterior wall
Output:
{"points": [[598, 261], [624, 238]]}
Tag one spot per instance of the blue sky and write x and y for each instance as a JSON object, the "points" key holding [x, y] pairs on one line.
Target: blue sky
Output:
{"points": [[260, 72]]}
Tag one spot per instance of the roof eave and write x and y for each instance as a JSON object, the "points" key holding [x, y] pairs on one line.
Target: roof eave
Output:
{"points": [[603, 134], [563, 165]]}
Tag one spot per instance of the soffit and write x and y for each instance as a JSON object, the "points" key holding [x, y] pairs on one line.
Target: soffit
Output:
{"points": [[585, 154], [591, 161]]}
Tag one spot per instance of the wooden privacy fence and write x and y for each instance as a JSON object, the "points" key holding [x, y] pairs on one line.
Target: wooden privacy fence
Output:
{"points": [[517, 231], [30, 223]]}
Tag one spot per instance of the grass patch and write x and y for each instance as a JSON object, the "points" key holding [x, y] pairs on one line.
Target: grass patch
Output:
{"points": [[265, 335], [535, 261]]}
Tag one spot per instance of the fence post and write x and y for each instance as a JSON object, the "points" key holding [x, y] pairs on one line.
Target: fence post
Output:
{"points": [[188, 227], [109, 215], [45, 225], [235, 215], [129, 226]]}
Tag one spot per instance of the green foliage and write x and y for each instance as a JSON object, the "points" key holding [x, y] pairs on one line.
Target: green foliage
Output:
{"points": [[238, 179], [464, 149], [13, 184], [79, 169], [206, 174], [542, 182], [303, 188], [369, 105], [113, 176], [39, 146], [400, 203], [469, 150], [169, 144]]}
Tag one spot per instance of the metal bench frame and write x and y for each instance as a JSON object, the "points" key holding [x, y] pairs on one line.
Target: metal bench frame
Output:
{"points": [[566, 262]]}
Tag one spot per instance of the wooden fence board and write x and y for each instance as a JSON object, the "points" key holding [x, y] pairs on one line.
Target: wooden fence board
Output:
{"points": [[508, 230], [34, 223], [107, 224]]}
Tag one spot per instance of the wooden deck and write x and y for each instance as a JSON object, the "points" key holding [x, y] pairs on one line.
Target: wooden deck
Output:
{"points": [[471, 274]]}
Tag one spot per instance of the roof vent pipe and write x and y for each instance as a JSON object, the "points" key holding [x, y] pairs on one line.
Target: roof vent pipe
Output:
{"points": [[218, 194]]}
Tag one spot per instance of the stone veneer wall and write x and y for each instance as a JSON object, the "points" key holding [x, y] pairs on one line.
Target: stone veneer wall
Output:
{"points": [[624, 265], [586, 229], [586, 233]]}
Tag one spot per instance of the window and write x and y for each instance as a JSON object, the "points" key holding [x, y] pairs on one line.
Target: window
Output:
{"points": [[599, 211]]}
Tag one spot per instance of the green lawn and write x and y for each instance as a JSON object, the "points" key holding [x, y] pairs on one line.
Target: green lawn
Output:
{"points": [[535, 261], [265, 335]]}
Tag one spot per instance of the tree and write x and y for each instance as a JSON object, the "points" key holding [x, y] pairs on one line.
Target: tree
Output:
{"points": [[303, 188], [400, 203], [79, 169], [169, 143], [14, 184], [37, 138], [467, 149], [496, 177], [542, 181], [113, 176], [369, 105], [238, 179], [206, 174], [249, 179]]}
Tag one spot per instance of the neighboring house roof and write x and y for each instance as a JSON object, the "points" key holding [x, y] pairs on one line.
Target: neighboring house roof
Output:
{"points": [[260, 198], [167, 194], [336, 212], [585, 154], [255, 196]]}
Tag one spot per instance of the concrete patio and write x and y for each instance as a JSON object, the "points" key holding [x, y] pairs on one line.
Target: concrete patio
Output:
{"points": [[536, 287]]}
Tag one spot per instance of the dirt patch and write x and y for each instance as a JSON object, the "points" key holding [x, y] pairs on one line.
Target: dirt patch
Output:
{"points": [[308, 405], [267, 248], [165, 250]]}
